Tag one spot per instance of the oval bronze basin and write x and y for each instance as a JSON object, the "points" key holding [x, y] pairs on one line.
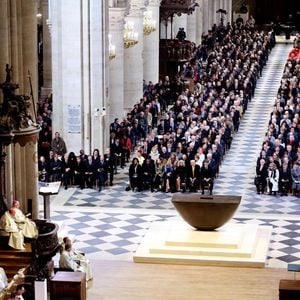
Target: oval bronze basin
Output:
{"points": [[206, 212]]}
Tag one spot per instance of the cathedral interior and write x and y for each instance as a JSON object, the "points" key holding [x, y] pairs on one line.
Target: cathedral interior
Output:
{"points": [[93, 91]]}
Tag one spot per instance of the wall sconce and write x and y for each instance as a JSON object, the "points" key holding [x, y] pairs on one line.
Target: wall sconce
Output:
{"points": [[149, 23], [130, 36], [111, 49]]}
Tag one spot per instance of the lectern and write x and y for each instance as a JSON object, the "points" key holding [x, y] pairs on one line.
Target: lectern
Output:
{"points": [[46, 189]]}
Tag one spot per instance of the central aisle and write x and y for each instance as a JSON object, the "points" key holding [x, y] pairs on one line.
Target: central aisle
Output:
{"points": [[238, 169]]}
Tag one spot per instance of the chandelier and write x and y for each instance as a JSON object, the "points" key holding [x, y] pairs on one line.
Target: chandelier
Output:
{"points": [[111, 49], [130, 36], [149, 23]]}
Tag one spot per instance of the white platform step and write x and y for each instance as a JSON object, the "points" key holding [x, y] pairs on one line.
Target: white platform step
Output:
{"points": [[232, 245]]}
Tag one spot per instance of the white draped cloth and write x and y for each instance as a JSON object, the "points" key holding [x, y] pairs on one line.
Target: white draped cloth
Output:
{"points": [[75, 261], [28, 227], [84, 262], [3, 279], [16, 237]]}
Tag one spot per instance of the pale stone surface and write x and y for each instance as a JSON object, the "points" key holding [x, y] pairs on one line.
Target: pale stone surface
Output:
{"points": [[79, 43], [151, 48], [133, 61], [116, 65]]}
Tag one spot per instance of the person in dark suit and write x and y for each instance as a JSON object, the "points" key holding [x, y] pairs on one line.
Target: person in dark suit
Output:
{"points": [[261, 176], [101, 172], [89, 172], [110, 165], [193, 176], [148, 173], [69, 164], [135, 175], [207, 177], [79, 172], [55, 168]]}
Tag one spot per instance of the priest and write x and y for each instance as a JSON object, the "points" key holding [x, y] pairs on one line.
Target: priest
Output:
{"points": [[16, 237], [26, 225]]}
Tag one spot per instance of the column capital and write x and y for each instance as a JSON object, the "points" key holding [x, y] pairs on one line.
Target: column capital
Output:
{"points": [[116, 17], [137, 7], [154, 2]]}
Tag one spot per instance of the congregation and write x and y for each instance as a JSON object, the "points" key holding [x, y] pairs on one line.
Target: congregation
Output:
{"points": [[178, 133], [278, 165]]}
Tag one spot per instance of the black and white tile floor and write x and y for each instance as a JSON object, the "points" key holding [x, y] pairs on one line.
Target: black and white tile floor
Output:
{"points": [[110, 224]]}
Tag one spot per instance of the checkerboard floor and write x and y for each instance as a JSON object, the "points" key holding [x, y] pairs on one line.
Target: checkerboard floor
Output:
{"points": [[110, 224]]}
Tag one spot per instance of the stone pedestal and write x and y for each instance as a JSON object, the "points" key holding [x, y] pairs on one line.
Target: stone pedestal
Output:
{"points": [[242, 245]]}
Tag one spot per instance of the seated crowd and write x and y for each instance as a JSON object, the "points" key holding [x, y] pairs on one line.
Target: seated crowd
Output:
{"points": [[178, 135], [278, 166], [82, 169]]}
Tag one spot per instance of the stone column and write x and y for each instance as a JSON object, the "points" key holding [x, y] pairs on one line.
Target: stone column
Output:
{"points": [[228, 8], [116, 65], [133, 61], [4, 39], [191, 27], [29, 48], [47, 67], [213, 9], [151, 47], [199, 22], [205, 10], [21, 169], [99, 74], [79, 72]]}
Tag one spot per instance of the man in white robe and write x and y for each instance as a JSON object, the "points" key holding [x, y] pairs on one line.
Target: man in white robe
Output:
{"points": [[16, 237], [28, 226], [79, 258]]}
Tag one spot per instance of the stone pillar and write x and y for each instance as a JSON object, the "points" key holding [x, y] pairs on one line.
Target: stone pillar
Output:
{"points": [[79, 72], [199, 22], [116, 65], [18, 38], [213, 14], [21, 169], [228, 8], [205, 10], [191, 27], [151, 47], [28, 26], [47, 67], [99, 74], [4, 39], [133, 61]]}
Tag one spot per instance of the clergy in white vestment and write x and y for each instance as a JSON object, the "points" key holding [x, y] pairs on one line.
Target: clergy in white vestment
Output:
{"points": [[28, 226], [79, 257], [67, 261], [16, 237], [3, 279]]}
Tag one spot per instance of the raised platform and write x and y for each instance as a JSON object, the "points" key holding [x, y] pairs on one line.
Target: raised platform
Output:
{"points": [[231, 245]]}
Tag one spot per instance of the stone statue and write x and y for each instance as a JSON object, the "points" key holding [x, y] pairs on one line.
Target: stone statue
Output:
{"points": [[14, 111], [8, 73]]}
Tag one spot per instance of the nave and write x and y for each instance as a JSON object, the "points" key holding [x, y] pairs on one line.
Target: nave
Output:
{"points": [[110, 225]]}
